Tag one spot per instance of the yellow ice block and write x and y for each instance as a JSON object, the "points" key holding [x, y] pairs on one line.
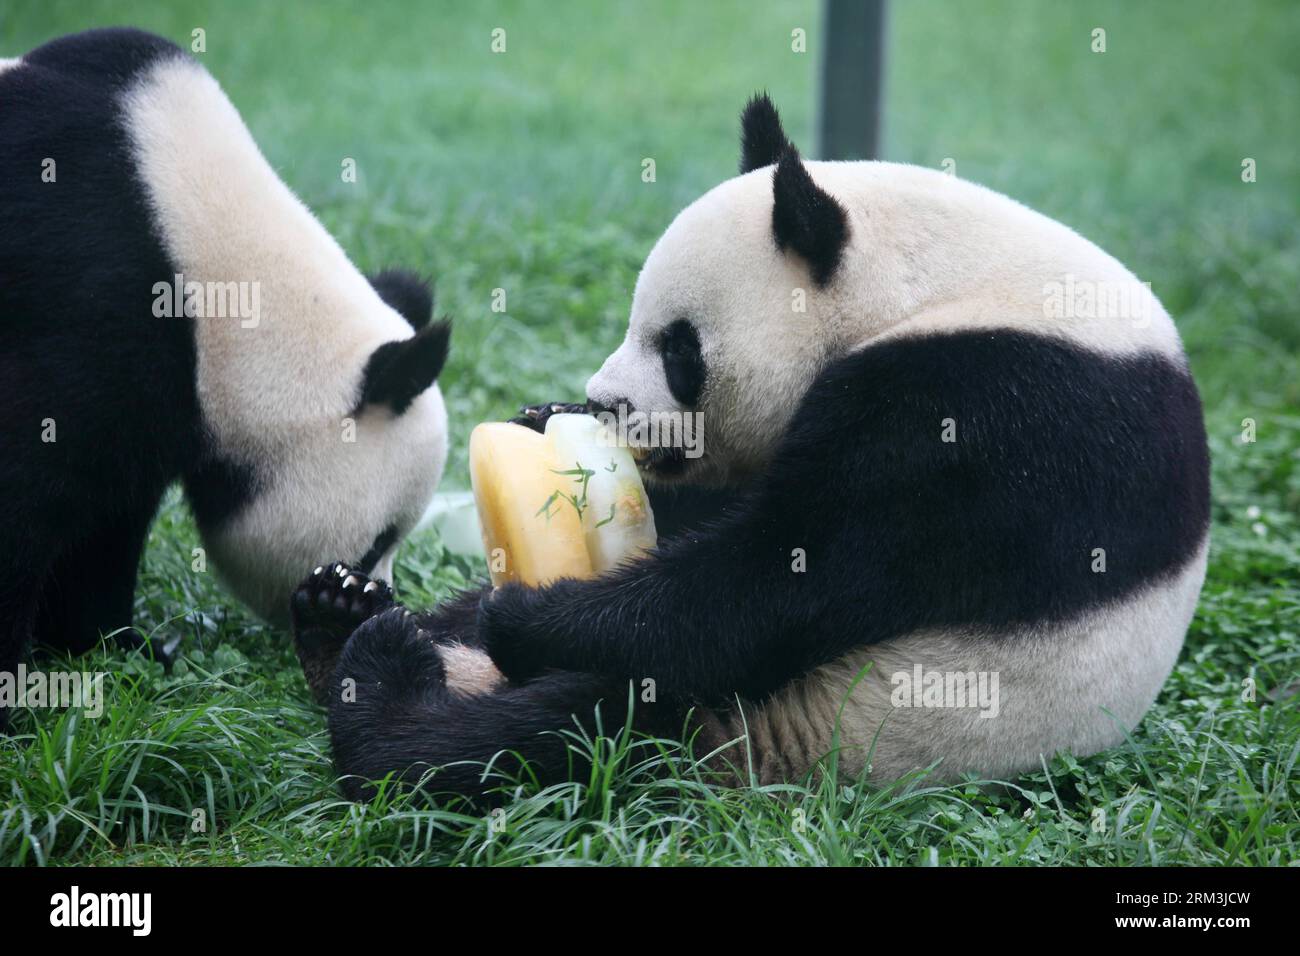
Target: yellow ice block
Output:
{"points": [[569, 503], [530, 534]]}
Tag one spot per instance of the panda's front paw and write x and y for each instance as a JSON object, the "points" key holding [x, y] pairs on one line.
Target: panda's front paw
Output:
{"points": [[536, 416], [505, 617], [336, 598], [326, 608]]}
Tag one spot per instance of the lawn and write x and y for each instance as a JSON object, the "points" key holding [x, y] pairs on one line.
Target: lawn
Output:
{"points": [[522, 171]]}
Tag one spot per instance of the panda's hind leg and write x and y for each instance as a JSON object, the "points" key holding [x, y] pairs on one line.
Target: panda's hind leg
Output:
{"points": [[405, 701], [89, 589], [410, 692], [19, 591]]}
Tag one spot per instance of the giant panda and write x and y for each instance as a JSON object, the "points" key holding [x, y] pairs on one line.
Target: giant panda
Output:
{"points": [[304, 422], [927, 467]]}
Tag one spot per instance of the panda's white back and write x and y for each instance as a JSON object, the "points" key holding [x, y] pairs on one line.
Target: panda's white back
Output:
{"points": [[224, 213], [927, 252]]}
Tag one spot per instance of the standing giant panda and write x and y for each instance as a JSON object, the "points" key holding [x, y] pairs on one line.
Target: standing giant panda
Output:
{"points": [[934, 475], [172, 311]]}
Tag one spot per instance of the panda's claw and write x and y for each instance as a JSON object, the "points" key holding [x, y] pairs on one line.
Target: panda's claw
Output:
{"points": [[536, 416], [337, 598], [326, 608]]}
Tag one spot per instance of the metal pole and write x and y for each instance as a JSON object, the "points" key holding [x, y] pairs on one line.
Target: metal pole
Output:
{"points": [[852, 71]]}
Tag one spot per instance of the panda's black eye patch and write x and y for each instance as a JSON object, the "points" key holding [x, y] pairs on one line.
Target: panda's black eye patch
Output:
{"points": [[679, 344]]}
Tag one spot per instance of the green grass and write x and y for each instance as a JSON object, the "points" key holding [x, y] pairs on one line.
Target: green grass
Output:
{"points": [[522, 172]]}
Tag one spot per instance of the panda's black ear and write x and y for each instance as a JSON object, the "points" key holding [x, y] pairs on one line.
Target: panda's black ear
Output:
{"points": [[406, 294], [762, 140], [806, 219], [397, 372]]}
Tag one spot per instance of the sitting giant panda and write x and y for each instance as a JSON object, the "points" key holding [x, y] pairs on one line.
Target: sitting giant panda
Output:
{"points": [[933, 474], [172, 311]]}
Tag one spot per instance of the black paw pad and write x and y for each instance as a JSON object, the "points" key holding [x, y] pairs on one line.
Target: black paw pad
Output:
{"points": [[335, 598], [326, 608]]}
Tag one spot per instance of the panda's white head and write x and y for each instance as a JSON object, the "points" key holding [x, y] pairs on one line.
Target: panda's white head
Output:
{"points": [[346, 482], [734, 312]]}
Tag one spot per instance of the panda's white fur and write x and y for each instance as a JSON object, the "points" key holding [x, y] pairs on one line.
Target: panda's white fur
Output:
{"points": [[1078, 688], [928, 252], [280, 393]]}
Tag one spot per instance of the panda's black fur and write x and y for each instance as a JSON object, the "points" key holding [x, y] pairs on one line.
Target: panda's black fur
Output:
{"points": [[1061, 448], [79, 258]]}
